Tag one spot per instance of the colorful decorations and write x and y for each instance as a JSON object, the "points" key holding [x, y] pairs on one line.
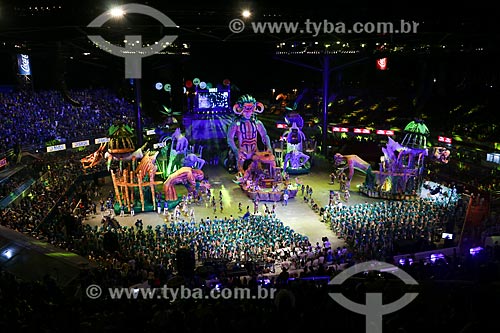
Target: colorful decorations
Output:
{"points": [[179, 141], [93, 159], [416, 134], [258, 175], [194, 161], [349, 162], [402, 165], [125, 182], [184, 175], [246, 129], [134, 176], [295, 160]]}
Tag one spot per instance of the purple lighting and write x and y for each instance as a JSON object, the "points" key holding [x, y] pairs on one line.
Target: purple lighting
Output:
{"points": [[403, 261], [436, 256], [475, 250]]}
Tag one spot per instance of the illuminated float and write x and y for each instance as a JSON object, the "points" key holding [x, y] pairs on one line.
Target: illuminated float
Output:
{"points": [[295, 160], [134, 180], [258, 175], [401, 167]]}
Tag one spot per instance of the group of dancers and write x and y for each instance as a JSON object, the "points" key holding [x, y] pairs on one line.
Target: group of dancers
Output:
{"points": [[342, 179]]}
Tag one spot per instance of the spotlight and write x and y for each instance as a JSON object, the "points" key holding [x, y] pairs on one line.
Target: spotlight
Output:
{"points": [[246, 13], [7, 253], [116, 12]]}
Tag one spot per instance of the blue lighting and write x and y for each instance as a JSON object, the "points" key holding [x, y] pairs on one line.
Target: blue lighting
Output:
{"points": [[7, 253]]}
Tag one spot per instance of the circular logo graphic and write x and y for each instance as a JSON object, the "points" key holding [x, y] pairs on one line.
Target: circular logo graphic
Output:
{"points": [[236, 26], [133, 51], [374, 309]]}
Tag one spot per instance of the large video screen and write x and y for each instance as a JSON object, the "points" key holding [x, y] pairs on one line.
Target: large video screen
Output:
{"points": [[213, 100]]}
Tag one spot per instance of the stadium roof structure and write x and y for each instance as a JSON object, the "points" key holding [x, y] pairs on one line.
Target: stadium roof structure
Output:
{"points": [[58, 29], [38, 24]]}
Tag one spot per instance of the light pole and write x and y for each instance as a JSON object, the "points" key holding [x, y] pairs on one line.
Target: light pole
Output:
{"points": [[138, 109], [326, 83]]}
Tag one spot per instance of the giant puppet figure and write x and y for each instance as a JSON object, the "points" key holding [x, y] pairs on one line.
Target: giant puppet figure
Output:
{"points": [[185, 175], [351, 162], [294, 136], [246, 128]]}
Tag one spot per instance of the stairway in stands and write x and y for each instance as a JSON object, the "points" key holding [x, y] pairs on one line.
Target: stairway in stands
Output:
{"points": [[477, 211]]}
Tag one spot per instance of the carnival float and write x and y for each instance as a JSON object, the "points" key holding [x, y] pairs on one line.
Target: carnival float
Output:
{"points": [[257, 173], [296, 161], [401, 168], [136, 174]]}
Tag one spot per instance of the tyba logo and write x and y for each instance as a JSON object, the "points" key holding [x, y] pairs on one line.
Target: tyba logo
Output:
{"points": [[133, 52], [373, 309]]}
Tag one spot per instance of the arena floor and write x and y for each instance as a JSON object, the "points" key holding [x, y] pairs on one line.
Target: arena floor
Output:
{"points": [[298, 214]]}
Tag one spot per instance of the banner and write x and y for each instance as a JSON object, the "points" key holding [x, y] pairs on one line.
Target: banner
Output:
{"points": [[80, 144], [385, 132], [159, 145], [340, 129], [23, 64], [3, 162], [101, 140], [444, 139], [51, 149], [362, 130]]}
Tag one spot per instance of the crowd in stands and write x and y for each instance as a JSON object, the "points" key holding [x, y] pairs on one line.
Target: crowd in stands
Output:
{"points": [[27, 171], [28, 214], [36, 117]]}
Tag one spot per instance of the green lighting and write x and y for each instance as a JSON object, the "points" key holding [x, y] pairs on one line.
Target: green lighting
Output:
{"points": [[417, 127], [62, 254], [39, 243]]}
